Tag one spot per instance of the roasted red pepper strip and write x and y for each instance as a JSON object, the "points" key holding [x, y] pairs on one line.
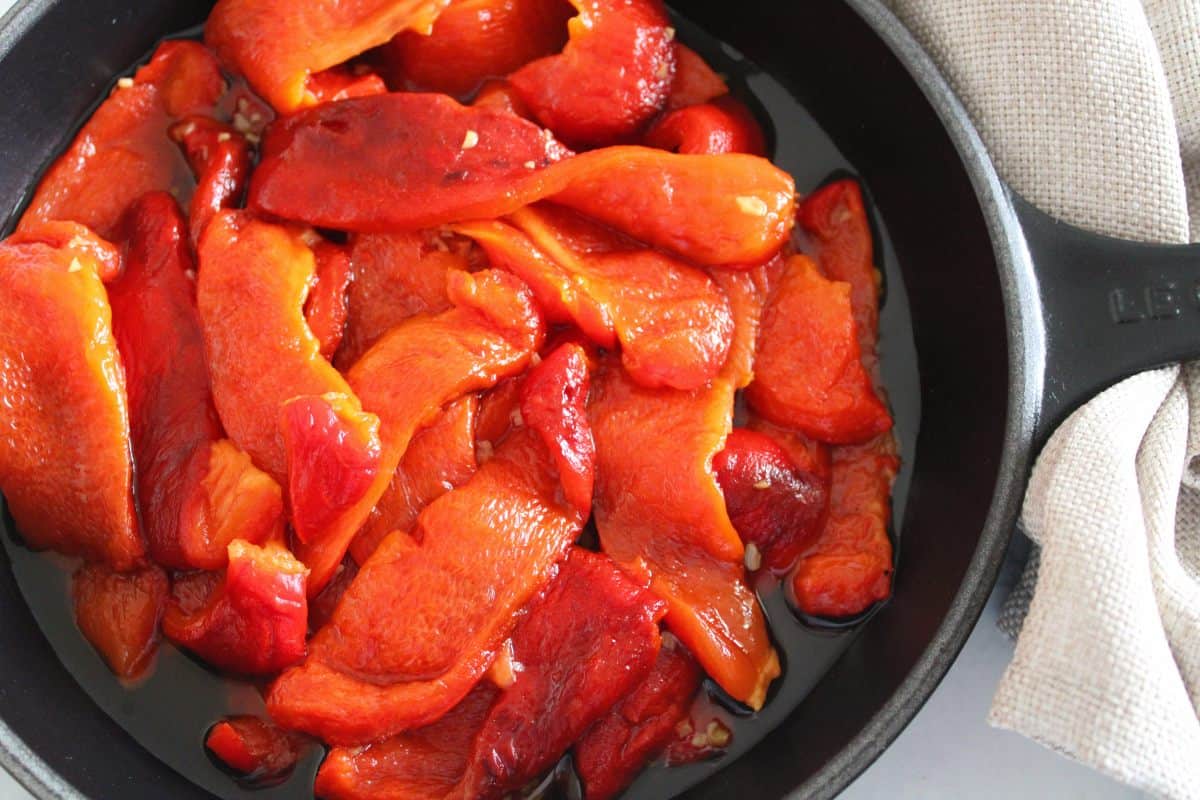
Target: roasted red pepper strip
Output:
{"points": [[254, 748], [673, 323], [172, 418], [679, 530], [124, 151], [554, 403], [333, 456], [849, 567], [477, 39], [808, 371], [65, 468], [610, 79], [422, 764], [772, 503], [118, 612], [410, 161], [220, 160], [695, 81], [396, 276], [327, 309], [583, 645], [440, 458], [415, 369], [421, 624], [622, 742], [836, 221], [279, 47], [252, 622], [723, 126]]}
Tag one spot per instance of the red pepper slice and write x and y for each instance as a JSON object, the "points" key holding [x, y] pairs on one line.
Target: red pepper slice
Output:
{"points": [[440, 458], [416, 765], [610, 79], [695, 81], [279, 50], [327, 309], [554, 403], [342, 83], [396, 276], [849, 567], [119, 612], [254, 748], [679, 531], [486, 549], [583, 645], [220, 160], [809, 372], [65, 468], [774, 505], [473, 40], [415, 369], [253, 621], [673, 323], [614, 750], [124, 151], [723, 126], [411, 161]]}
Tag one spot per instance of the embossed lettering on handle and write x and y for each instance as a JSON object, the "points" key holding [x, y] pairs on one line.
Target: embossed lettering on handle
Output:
{"points": [[1157, 301]]}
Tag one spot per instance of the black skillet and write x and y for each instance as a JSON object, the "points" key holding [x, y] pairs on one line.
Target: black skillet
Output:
{"points": [[998, 322]]}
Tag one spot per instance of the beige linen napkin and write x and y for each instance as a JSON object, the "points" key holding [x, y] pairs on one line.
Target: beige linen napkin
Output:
{"points": [[1091, 109]]}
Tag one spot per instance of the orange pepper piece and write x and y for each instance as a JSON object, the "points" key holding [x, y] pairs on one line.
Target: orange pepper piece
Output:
{"points": [[610, 79], [420, 764], [418, 367], [410, 161], [119, 612], [421, 623], [673, 323], [396, 276], [65, 467], [280, 47], [124, 150], [809, 372], [681, 532], [440, 458], [695, 81], [473, 40]]}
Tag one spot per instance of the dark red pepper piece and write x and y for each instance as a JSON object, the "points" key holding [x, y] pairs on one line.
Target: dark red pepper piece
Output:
{"points": [[554, 403], [255, 749], [723, 126], [220, 160], [327, 308]]}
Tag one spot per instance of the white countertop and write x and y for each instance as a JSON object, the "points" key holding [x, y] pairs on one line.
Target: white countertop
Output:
{"points": [[948, 752]]}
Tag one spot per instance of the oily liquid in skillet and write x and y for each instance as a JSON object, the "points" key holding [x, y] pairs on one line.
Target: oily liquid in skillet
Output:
{"points": [[170, 711]]}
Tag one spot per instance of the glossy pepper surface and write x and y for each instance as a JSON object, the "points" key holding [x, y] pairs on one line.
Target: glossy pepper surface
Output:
{"points": [[124, 150], [65, 465], [611, 78], [279, 46]]}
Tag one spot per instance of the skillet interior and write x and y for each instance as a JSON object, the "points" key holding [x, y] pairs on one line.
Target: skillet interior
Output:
{"points": [[859, 92]]}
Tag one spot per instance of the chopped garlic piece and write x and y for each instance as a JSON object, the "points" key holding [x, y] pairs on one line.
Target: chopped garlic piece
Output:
{"points": [[75, 266], [125, 83], [470, 140], [753, 557], [754, 206]]}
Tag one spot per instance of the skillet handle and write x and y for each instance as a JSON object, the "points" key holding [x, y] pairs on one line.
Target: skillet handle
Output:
{"points": [[1111, 308]]}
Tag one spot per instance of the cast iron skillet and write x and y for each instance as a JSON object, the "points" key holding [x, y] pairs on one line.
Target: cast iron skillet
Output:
{"points": [[1016, 319]]}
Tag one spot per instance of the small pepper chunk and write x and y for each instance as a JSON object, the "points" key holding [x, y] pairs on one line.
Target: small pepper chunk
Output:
{"points": [[65, 468], [327, 309], [849, 567], [473, 40], [774, 505], [421, 624], [280, 46], [808, 372], [614, 74], [412, 161], [672, 321], [422, 764], [220, 160], [723, 126], [124, 151], [622, 742], [119, 612], [441, 458], [253, 621], [254, 748], [583, 645], [554, 403]]}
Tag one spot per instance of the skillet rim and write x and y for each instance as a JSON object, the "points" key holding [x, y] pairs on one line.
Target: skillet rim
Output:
{"points": [[1025, 348]]}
